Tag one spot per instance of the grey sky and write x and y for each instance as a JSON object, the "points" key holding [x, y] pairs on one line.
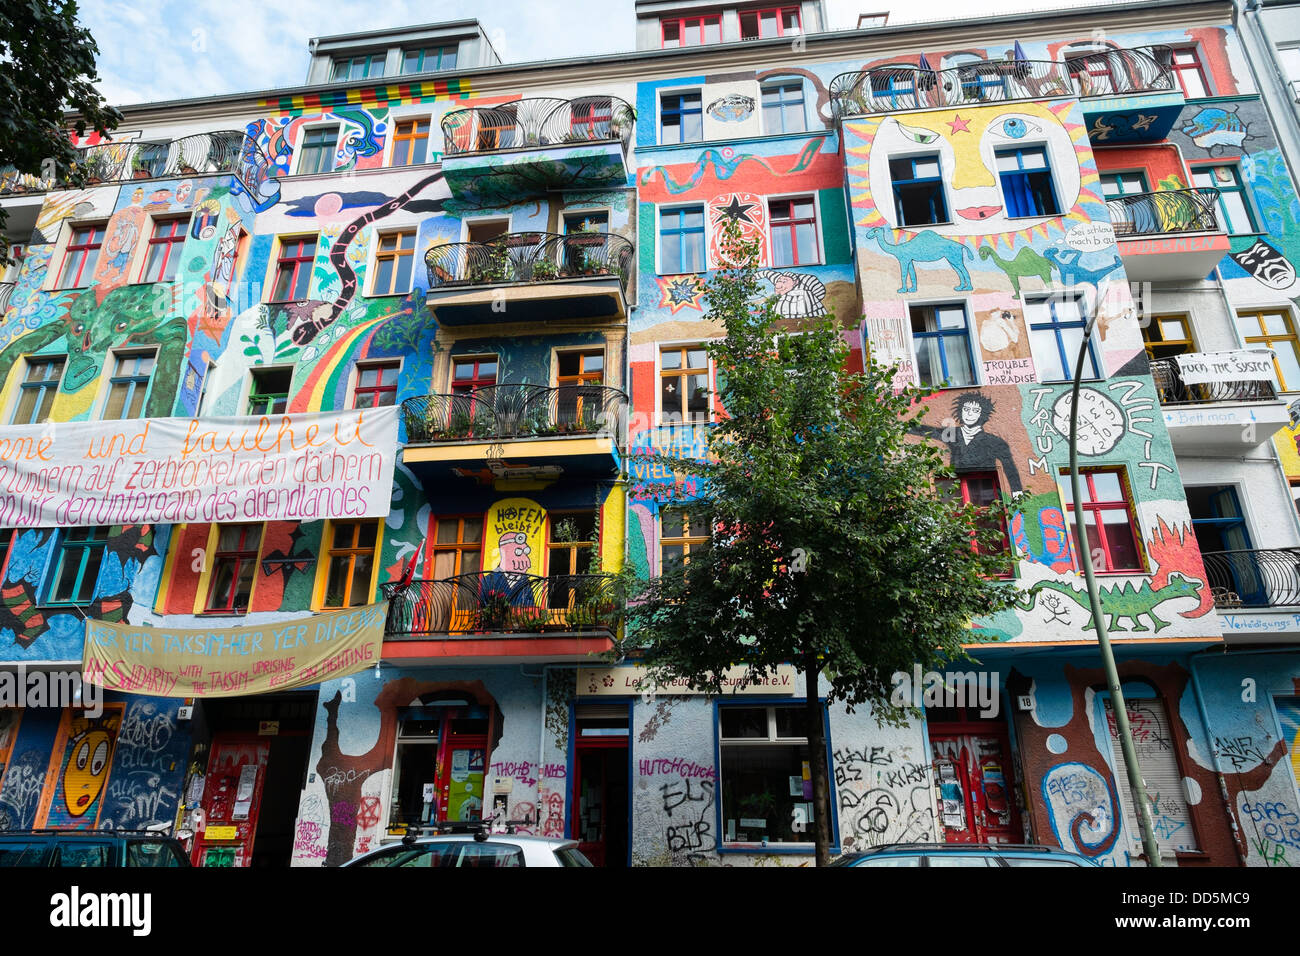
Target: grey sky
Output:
{"points": [[169, 49]]}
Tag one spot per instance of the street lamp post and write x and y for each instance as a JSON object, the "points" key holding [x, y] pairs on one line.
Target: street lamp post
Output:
{"points": [[1149, 846]]}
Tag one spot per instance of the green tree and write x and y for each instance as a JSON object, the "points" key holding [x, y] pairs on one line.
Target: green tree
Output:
{"points": [[838, 545], [47, 67]]}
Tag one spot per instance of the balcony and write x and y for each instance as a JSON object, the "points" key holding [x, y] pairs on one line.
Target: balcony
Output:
{"points": [[516, 432], [500, 154], [498, 616], [1170, 234], [211, 154], [582, 275], [1227, 417], [1256, 592], [1106, 80], [6, 292]]}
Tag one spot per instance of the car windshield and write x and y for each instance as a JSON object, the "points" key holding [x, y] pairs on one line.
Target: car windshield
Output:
{"points": [[1040, 861], [571, 856]]}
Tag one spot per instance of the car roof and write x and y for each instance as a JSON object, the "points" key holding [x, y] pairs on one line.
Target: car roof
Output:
{"points": [[488, 838], [991, 848]]}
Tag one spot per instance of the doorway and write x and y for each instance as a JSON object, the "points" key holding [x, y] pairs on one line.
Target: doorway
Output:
{"points": [[973, 777], [600, 791]]}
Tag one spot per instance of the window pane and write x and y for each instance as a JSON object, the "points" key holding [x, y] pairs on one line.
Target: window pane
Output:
{"points": [[1107, 485], [756, 800], [744, 722], [1047, 358], [1120, 545]]}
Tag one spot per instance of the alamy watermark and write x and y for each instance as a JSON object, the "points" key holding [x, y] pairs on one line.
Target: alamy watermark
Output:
{"points": [[973, 689], [21, 687]]}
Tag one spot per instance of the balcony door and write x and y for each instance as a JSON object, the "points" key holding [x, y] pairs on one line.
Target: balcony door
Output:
{"points": [[1235, 575], [457, 550], [580, 379]]}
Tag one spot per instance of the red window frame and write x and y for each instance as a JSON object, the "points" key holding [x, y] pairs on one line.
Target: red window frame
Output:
{"points": [[169, 235], [1096, 509], [790, 223], [757, 14], [1195, 64], [290, 261], [380, 388], [682, 24], [967, 480], [243, 553], [463, 386], [95, 233]]}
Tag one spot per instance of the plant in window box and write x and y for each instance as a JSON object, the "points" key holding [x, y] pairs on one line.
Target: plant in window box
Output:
{"points": [[544, 270], [494, 612], [566, 530]]}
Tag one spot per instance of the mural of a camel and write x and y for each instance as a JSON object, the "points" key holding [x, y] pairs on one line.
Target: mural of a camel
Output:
{"points": [[924, 247], [1027, 262]]}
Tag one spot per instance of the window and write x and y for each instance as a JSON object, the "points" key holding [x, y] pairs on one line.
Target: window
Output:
{"points": [[1167, 336], [592, 118], [1162, 780], [359, 67], [1217, 518], [681, 118], [775, 22], [571, 547], [486, 229], [1275, 329], [579, 222], [1026, 182], [918, 191], [783, 107], [1114, 185], [293, 269], [269, 393], [941, 337], [683, 384], [376, 385], [682, 532], [129, 384], [316, 152], [418, 735], [1091, 73], [1055, 335], [458, 547], [981, 489], [164, 256], [765, 780], [681, 240], [350, 563], [36, 393], [793, 223], [393, 261], [1234, 211], [470, 373], [581, 399], [79, 553], [81, 257], [1108, 518], [1186, 64], [233, 568], [691, 31], [429, 59], [410, 142], [895, 83]]}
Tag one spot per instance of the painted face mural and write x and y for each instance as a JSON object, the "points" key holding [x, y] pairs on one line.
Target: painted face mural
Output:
{"points": [[86, 772], [515, 552], [968, 143]]}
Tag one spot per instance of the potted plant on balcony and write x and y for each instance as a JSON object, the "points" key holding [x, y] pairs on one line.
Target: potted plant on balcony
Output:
{"points": [[544, 270], [494, 611], [496, 267]]}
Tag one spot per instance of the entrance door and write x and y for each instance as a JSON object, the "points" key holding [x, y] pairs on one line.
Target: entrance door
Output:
{"points": [[600, 791], [232, 800], [972, 775]]}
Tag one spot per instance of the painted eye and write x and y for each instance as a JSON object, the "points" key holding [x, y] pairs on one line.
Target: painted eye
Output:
{"points": [[917, 135], [83, 754], [101, 757], [1016, 128], [121, 326]]}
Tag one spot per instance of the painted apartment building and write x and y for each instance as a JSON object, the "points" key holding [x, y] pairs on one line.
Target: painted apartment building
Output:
{"points": [[514, 255]]}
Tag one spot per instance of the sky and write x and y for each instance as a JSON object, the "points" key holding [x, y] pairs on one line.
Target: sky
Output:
{"points": [[177, 49]]}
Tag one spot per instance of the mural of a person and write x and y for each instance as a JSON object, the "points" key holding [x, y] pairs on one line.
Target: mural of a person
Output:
{"points": [[508, 581], [798, 294], [970, 446]]}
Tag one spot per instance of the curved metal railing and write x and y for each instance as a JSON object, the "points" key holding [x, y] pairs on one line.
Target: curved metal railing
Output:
{"points": [[1165, 212], [1112, 72], [537, 122], [515, 411], [222, 151], [1174, 391], [1257, 578], [6, 292], [493, 602], [530, 257]]}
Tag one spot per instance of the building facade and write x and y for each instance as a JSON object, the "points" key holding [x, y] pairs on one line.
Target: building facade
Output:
{"points": [[514, 255]]}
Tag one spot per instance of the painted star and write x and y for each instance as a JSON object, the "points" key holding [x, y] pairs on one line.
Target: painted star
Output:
{"points": [[736, 211], [958, 124], [681, 292]]}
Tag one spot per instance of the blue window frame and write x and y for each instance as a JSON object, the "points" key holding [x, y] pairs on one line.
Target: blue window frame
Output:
{"points": [[1221, 530], [1027, 182], [681, 240], [784, 110], [918, 190], [895, 83], [129, 385], [681, 118], [982, 82], [78, 557], [1055, 334], [941, 337], [36, 392]]}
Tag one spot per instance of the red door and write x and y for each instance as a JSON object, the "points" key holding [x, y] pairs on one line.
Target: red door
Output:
{"points": [[972, 779], [600, 800], [232, 797]]}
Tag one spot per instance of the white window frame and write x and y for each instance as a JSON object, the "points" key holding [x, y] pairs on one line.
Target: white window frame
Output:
{"points": [[474, 220], [246, 392]]}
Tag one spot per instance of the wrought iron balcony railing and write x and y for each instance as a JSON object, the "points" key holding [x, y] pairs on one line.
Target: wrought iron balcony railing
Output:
{"points": [[1112, 72], [1166, 212], [1174, 391], [515, 411], [223, 151], [538, 122], [6, 291], [1257, 578], [499, 602], [530, 257]]}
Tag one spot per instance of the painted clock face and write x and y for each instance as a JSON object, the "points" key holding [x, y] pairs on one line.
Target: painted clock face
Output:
{"points": [[1101, 422]]}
